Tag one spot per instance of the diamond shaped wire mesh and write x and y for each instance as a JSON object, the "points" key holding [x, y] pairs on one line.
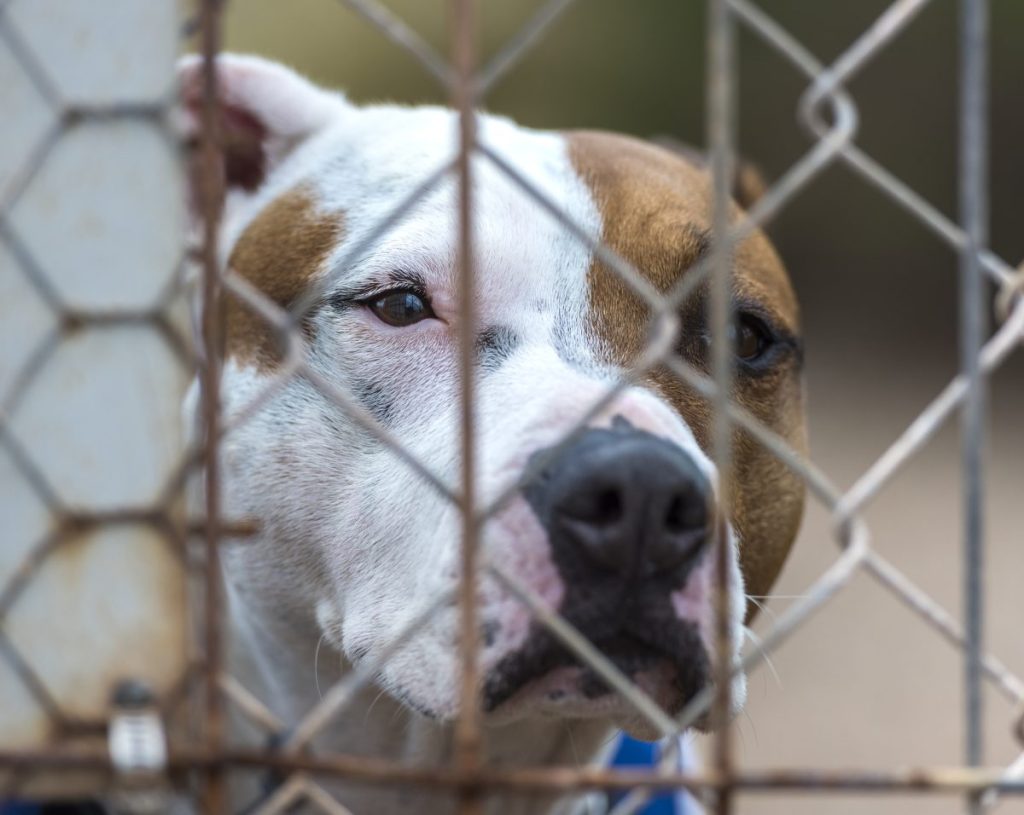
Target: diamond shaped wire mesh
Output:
{"points": [[831, 118]]}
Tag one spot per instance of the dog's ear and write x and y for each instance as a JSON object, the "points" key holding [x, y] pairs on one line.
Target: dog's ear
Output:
{"points": [[266, 110], [748, 185]]}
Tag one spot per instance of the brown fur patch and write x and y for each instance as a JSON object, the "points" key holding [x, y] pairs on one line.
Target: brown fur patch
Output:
{"points": [[656, 212], [281, 252]]}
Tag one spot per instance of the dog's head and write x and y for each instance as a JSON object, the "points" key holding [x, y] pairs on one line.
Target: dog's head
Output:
{"points": [[614, 531]]}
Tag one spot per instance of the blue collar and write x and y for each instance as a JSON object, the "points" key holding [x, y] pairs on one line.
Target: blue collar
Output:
{"points": [[639, 755]]}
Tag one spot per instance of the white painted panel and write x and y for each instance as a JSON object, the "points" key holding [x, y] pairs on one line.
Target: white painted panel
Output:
{"points": [[25, 720], [27, 118], [25, 321], [88, 595], [105, 606], [101, 51], [27, 519], [99, 217], [101, 418]]}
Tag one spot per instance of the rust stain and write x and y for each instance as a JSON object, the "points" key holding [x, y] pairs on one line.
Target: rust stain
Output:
{"points": [[107, 605]]}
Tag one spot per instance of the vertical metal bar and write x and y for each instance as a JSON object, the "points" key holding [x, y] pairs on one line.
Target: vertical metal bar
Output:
{"points": [[467, 733], [211, 198], [721, 125], [973, 170]]}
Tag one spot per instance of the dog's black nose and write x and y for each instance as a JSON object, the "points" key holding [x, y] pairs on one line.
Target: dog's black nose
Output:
{"points": [[627, 501]]}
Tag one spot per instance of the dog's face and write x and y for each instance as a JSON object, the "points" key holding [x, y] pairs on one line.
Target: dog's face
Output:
{"points": [[614, 532]]}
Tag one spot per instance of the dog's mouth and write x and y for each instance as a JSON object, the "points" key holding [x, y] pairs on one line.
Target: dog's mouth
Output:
{"points": [[672, 666]]}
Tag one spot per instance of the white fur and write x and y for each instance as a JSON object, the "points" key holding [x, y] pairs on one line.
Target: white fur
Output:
{"points": [[353, 543]]}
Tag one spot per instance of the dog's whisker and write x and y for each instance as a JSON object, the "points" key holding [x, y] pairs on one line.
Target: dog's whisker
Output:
{"points": [[762, 607], [612, 737], [578, 762], [753, 727], [316, 666], [373, 704], [756, 597], [756, 640]]}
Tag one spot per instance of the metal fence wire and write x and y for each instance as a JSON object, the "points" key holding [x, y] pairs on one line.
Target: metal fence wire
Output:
{"points": [[201, 759]]}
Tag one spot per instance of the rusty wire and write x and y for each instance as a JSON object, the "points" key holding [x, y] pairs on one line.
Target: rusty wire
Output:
{"points": [[468, 736], [211, 202], [469, 777]]}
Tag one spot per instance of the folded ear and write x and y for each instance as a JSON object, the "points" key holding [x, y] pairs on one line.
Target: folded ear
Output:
{"points": [[266, 110], [747, 186]]}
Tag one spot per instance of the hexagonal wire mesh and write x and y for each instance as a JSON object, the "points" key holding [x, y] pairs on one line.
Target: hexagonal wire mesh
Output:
{"points": [[103, 349], [831, 117]]}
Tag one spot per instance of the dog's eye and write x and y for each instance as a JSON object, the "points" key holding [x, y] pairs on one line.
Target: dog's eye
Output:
{"points": [[400, 307], [752, 337], [753, 341]]}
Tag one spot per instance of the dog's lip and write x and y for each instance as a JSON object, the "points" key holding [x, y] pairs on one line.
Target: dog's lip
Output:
{"points": [[559, 676], [556, 691], [562, 693]]}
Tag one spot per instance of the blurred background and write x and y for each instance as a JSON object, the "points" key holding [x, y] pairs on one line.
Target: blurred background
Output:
{"points": [[865, 683]]}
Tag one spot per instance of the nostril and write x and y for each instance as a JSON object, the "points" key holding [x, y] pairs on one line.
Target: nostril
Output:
{"points": [[685, 515], [598, 508], [608, 509], [674, 520]]}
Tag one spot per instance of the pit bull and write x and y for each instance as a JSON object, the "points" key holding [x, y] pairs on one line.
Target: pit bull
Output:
{"points": [[614, 532]]}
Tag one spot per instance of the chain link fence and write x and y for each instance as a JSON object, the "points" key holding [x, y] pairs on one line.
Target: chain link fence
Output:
{"points": [[202, 755]]}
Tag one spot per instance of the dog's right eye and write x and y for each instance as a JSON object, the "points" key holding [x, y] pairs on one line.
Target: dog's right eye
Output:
{"points": [[400, 307]]}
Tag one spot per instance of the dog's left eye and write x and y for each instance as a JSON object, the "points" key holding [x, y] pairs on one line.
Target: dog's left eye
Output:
{"points": [[752, 337], [400, 307]]}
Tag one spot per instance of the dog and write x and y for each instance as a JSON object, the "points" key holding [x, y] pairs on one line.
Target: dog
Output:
{"points": [[614, 532]]}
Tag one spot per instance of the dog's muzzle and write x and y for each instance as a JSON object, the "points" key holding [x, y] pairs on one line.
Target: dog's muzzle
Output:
{"points": [[628, 515]]}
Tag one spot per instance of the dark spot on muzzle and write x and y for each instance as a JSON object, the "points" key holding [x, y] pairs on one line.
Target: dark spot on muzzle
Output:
{"points": [[494, 345], [489, 630], [357, 653], [375, 399]]}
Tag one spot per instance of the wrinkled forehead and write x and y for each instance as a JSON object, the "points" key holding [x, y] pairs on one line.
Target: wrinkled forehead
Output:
{"points": [[523, 254], [649, 205]]}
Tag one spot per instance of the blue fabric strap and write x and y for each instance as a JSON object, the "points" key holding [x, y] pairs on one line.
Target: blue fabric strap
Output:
{"points": [[633, 754]]}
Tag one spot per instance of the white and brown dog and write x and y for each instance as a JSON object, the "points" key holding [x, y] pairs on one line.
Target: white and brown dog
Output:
{"points": [[613, 534]]}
